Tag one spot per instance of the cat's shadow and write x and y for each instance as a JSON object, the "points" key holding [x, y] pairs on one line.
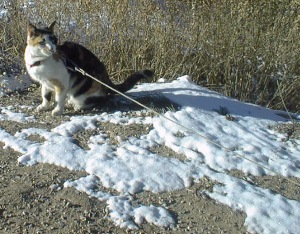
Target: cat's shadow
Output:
{"points": [[154, 101]]}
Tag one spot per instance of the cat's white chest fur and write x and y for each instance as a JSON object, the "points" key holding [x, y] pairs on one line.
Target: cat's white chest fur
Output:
{"points": [[47, 69], [50, 71]]}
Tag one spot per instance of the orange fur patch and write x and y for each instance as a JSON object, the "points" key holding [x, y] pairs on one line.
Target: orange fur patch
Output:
{"points": [[34, 41], [58, 87]]}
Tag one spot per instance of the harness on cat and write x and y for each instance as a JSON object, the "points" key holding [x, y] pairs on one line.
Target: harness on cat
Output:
{"points": [[37, 63], [69, 64]]}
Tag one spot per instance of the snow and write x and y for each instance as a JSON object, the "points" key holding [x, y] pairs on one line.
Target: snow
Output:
{"points": [[10, 83], [212, 147], [7, 114]]}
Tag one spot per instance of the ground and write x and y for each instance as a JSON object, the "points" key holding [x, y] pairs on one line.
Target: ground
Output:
{"points": [[33, 199]]}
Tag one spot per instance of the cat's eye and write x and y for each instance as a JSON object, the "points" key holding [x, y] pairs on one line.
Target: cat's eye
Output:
{"points": [[43, 42]]}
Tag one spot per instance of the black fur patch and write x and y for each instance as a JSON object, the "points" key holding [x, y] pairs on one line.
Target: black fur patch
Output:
{"points": [[53, 39], [96, 101], [84, 88], [76, 79], [48, 96]]}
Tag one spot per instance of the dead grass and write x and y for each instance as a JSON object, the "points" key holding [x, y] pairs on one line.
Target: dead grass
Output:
{"points": [[247, 49], [291, 130]]}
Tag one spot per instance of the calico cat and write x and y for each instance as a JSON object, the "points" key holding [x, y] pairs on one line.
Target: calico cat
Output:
{"points": [[52, 65]]}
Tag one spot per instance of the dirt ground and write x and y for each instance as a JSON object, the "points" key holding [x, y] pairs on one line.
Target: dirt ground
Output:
{"points": [[33, 200]]}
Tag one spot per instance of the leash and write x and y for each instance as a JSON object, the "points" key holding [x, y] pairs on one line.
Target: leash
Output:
{"points": [[84, 73]]}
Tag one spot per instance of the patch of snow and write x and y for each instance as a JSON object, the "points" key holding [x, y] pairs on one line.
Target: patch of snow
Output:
{"points": [[10, 83]]}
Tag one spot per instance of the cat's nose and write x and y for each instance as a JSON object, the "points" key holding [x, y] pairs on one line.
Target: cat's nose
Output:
{"points": [[51, 48]]}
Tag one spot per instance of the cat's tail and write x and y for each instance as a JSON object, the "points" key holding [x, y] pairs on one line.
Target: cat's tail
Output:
{"points": [[132, 80]]}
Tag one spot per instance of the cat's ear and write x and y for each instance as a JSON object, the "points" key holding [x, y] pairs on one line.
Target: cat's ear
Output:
{"points": [[30, 29], [51, 27]]}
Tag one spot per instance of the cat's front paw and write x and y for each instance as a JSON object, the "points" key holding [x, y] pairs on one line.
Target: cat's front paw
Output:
{"points": [[42, 107], [57, 111]]}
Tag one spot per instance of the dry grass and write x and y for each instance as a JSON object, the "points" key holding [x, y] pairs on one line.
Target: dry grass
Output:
{"points": [[246, 49]]}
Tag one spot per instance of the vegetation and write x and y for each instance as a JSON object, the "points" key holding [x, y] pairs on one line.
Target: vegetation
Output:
{"points": [[247, 49]]}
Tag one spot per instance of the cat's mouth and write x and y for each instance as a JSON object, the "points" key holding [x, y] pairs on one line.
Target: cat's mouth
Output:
{"points": [[49, 50]]}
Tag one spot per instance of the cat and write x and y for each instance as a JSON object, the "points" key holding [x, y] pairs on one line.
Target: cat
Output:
{"points": [[52, 65]]}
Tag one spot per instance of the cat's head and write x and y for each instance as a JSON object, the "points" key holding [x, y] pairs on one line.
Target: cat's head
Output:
{"points": [[42, 40]]}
